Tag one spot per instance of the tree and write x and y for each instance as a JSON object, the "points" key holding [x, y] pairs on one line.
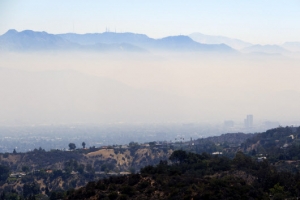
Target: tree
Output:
{"points": [[133, 144], [4, 172], [72, 146], [25, 169], [278, 192], [14, 152], [132, 170], [178, 156], [47, 192], [83, 145], [253, 153], [80, 168], [242, 161], [89, 168], [32, 188], [152, 144]]}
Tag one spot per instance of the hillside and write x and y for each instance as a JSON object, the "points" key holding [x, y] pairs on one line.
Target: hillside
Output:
{"points": [[62, 170], [194, 176], [235, 139], [247, 165], [119, 159], [280, 145]]}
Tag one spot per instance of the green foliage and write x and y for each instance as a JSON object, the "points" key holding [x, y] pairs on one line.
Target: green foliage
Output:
{"points": [[4, 173], [32, 188], [73, 165], [242, 161], [277, 189], [178, 156], [107, 167], [10, 196], [194, 176], [277, 143], [27, 179], [133, 144], [72, 146], [128, 190], [132, 170], [152, 144], [186, 175], [57, 173], [25, 169], [113, 196], [56, 195]]}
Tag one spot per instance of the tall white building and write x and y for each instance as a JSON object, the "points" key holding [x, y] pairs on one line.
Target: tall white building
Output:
{"points": [[248, 121]]}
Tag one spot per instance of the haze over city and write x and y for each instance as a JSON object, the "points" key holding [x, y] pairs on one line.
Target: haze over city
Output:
{"points": [[255, 71], [149, 99]]}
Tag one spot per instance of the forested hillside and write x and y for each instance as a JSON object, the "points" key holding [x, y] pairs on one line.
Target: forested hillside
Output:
{"points": [[231, 165], [194, 176]]}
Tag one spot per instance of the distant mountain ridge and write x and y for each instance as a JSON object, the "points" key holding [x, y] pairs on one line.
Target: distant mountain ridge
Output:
{"points": [[106, 37], [211, 39], [292, 46], [180, 42], [107, 41], [31, 40], [268, 49]]}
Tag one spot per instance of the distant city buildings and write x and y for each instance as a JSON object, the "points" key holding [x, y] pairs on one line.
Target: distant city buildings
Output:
{"points": [[229, 124], [270, 124], [248, 122]]}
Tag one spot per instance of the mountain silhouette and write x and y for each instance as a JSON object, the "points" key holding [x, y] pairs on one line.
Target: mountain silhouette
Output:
{"points": [[292, 46], [32, 40], [107, 41], [265, 49], [211, 39]]}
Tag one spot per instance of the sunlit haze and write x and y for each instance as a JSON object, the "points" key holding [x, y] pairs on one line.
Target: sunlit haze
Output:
{"points": [[146, 81], [141, 88]]}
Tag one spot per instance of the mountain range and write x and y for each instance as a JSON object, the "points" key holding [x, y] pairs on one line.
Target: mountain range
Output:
{"points": [[246, 47], [211, 39], [108, 41], [29, 40], [267, 49], [292, 46]]}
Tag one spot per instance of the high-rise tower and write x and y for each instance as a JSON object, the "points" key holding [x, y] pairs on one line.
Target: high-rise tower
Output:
{"points": [[248, 121]]}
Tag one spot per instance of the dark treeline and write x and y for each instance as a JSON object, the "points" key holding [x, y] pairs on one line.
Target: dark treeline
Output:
{"points": [[198, 176]]}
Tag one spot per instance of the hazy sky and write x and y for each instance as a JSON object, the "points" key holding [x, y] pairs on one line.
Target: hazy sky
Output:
{"points": [[256, 21], [56, 87]]}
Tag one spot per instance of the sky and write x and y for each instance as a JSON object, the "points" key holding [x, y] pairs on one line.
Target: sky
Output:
{"points": [[255, 21]]}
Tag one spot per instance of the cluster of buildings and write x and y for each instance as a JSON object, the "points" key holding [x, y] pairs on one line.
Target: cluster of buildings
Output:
{"points": [[248, 122]]}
